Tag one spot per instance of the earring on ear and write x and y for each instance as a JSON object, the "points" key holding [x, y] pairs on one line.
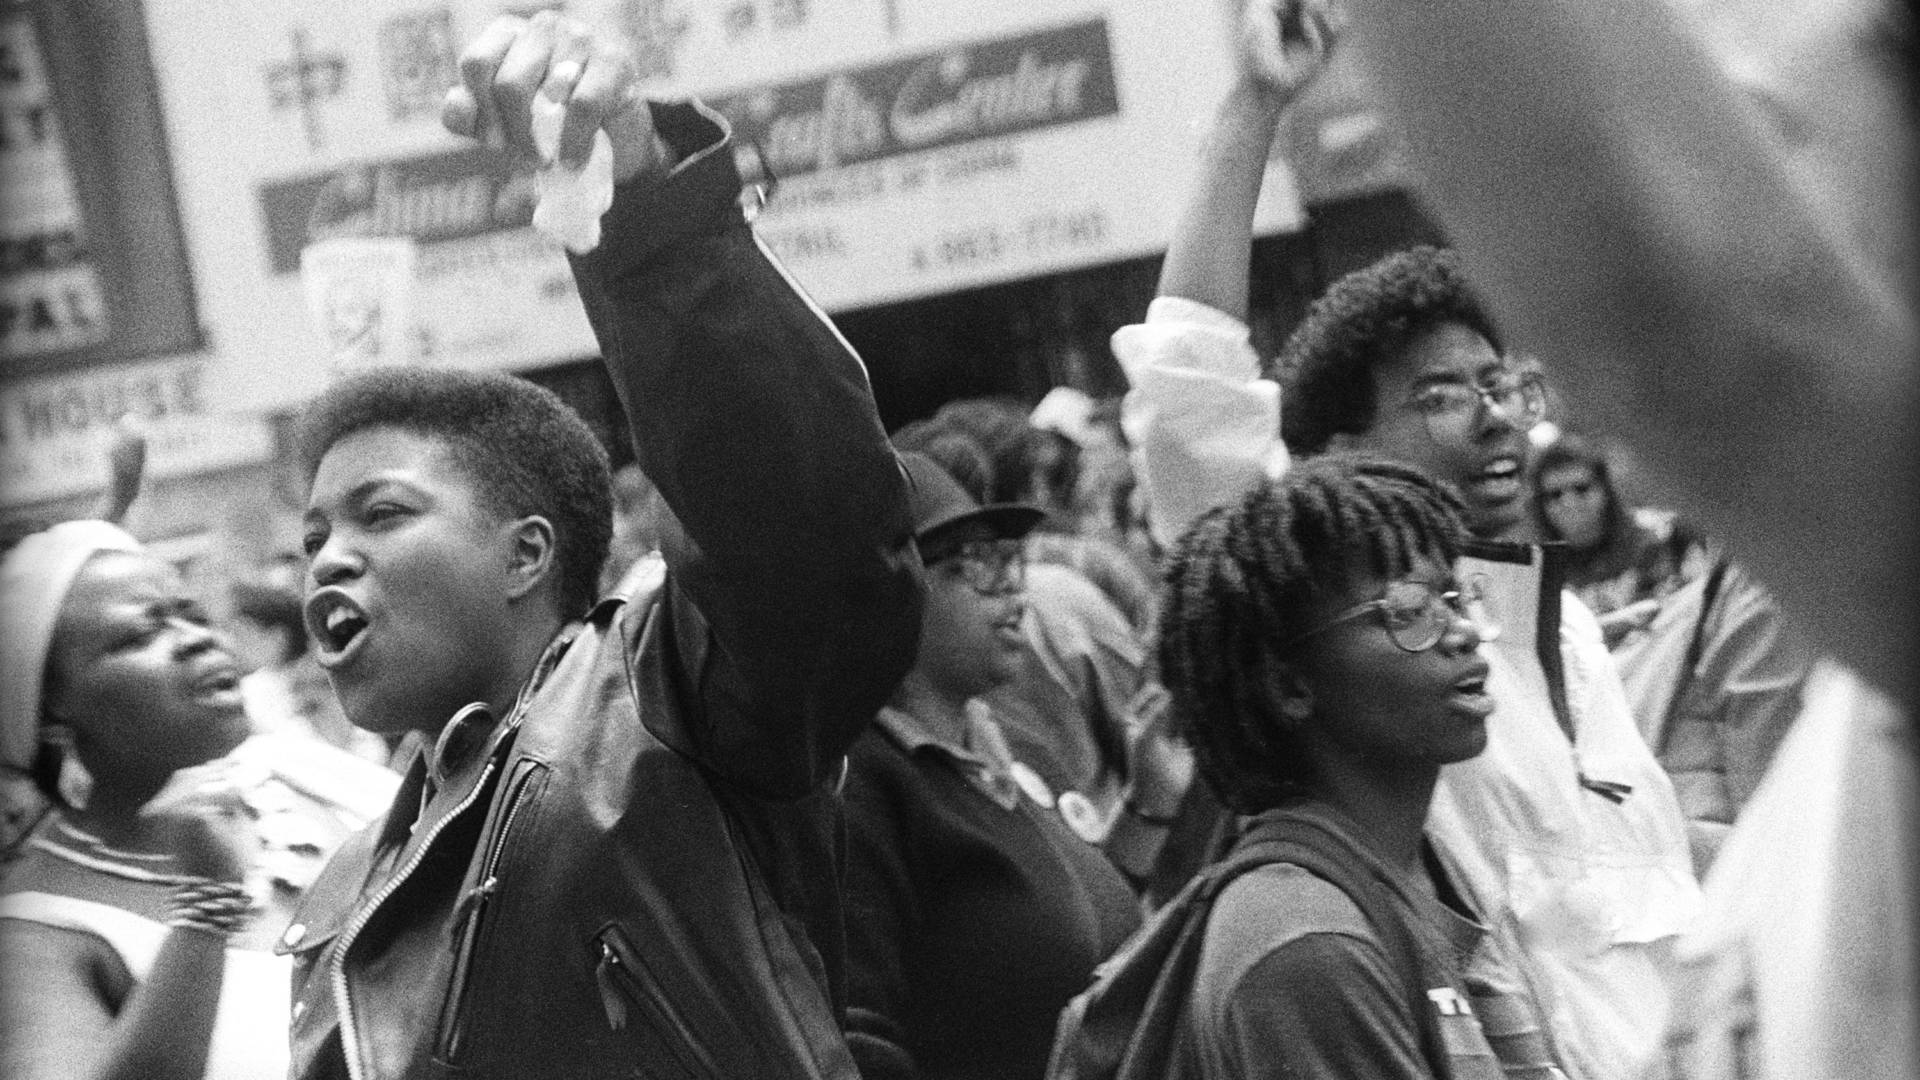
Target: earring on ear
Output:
{"points": [[71, 780], [76, 783]]}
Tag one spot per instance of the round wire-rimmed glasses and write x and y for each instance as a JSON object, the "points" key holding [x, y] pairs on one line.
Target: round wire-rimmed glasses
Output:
{"points": [[1418, 613]]}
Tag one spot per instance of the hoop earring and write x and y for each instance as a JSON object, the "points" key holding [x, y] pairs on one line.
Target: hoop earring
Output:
{"points": [[71, 780], [75, 783]]}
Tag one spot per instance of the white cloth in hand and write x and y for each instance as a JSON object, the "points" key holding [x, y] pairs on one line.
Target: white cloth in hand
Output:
{"points": [[568, 202]]}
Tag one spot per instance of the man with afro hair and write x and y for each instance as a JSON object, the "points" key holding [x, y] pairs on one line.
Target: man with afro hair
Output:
{"points": [[1566, 830]]}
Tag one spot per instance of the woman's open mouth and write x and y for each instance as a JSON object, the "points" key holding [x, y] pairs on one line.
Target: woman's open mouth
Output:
{"points": [[220, 682], [1470, 692], [337, 625]]}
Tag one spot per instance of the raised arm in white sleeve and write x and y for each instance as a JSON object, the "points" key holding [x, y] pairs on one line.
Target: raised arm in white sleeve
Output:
{"points": [[1204, 425]]}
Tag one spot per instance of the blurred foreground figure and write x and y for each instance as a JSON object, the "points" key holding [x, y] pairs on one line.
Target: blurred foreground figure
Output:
{"points": [[1708, 224], [1721, 268], [1803, 965]]}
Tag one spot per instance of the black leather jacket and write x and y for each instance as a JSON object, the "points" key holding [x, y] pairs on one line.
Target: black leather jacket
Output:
{"points": [[633, 874]]}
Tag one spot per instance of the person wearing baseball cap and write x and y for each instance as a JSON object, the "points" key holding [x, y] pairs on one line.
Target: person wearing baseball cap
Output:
{"points": [[942, 509], [968, 898]]}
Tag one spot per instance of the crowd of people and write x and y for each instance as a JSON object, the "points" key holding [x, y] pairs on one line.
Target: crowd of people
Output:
{"points": [[1333, 714]]}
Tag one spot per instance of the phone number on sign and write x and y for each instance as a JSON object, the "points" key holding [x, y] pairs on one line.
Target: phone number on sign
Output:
{"points": [[1041, 234]]}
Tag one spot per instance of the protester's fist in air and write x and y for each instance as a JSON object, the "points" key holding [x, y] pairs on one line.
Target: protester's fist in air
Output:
{"points": [[588, 73], [1284, 43], [126, 466]]}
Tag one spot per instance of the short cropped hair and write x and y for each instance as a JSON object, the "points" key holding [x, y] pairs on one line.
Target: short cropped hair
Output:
{"points": [[1361, 321], [524, 450], [1239, 588]]}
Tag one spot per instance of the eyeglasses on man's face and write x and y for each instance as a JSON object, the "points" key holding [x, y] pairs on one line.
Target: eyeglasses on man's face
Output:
{"points": [[1452, 410], [1417, 614], [989, 567]]}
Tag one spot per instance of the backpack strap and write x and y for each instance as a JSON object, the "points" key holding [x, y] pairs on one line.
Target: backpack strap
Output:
{"points": [[1126, 1026], [1324, 853]]}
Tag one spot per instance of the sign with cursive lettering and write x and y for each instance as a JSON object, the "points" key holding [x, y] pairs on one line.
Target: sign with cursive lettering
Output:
{"points": [[1005, 146], [444, 195], [943, 98], [916, 147]]}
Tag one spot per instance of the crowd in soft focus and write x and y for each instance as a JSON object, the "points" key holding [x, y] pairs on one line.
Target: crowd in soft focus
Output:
{"points": [[1351, 712]]}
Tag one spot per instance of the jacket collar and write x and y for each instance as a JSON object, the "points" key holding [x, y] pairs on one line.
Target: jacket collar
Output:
{"points": [[984, 757], [443, 772], [1521, 585]]}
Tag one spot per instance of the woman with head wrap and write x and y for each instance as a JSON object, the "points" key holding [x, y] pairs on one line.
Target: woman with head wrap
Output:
{"points": [[135, 922]]}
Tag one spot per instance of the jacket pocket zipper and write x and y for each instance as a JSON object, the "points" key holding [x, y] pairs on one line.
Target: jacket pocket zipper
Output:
{"points": [[627, 985], [470, 923]]}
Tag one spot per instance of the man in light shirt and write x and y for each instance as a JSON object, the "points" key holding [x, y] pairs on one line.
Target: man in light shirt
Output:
{"points": [[1566, 830]]}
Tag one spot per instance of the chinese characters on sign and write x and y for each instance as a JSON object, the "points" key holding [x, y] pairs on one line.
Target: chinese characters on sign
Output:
{"points": [[915, 149], [305, 80], [417, 62]]}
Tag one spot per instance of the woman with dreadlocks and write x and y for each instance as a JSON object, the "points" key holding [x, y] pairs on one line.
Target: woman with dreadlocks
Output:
{"points": [[1324, 665]]}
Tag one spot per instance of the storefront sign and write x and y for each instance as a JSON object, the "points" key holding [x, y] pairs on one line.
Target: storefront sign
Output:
{"points": [[443, 195], [50, 294], [918, 146], [976, 91], [91, 265], [54, 432], [360, 293]]}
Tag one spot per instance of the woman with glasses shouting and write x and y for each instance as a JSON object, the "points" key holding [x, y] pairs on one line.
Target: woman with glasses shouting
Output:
{"points": [[973, 912]]}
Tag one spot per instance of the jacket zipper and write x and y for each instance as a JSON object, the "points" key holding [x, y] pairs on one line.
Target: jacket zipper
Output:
{"points": [[342, 1003], [473, 909], [625, 984]]}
